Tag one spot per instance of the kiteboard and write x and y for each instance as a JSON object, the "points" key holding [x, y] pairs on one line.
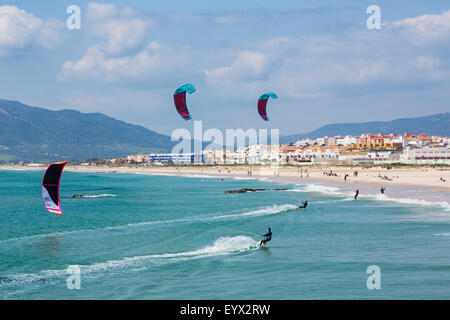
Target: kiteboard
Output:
{"points": [[258, 245]]}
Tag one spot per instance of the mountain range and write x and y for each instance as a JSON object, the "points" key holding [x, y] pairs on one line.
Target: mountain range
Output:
{"points": [[433, 125], [38, 134]]}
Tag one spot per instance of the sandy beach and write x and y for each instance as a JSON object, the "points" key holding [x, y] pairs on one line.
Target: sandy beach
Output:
{"points": [[428, 184], [425, 177]]}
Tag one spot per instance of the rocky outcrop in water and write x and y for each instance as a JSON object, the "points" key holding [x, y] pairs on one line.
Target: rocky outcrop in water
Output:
{"points": [[245, 190]]}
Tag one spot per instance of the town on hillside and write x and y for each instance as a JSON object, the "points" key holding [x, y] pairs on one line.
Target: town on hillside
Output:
{"points": [[363, 149]]}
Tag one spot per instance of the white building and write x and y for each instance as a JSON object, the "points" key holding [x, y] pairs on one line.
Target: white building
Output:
{"points": [[35, 165], [304, 142], [369, 157], [426, 155], [344, 141], [322, 141], [171, 158]]}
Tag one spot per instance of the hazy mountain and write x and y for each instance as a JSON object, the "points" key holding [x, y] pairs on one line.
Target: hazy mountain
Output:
{"points": [[37, 134], [437, 124]]}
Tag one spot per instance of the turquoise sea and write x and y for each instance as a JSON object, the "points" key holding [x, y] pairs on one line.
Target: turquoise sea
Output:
{"points": [[182, 237]]}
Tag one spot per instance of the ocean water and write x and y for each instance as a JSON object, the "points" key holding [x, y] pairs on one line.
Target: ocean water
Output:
{"points": [[182, 237]]}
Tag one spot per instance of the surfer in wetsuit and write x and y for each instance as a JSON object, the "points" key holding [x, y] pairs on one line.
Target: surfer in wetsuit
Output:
{"points": [[356, 193], [382, 190], [267, 237], [304, 204]]}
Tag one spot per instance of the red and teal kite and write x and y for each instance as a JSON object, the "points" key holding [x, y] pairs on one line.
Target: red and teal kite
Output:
{"points": [[179, 98], [262, 103]]}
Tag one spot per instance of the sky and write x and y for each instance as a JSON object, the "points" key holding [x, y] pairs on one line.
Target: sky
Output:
{"points": [[319, 57]]}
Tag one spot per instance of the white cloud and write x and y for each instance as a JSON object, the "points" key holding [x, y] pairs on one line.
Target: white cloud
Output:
{"points": [[357, 61], [122, 35], [217, 74], [20, 30], [304, 67], [252, 62], [121, 50], [424, 62], [121, 29], [247, 65], [425, 28], [98, 11], [154, 61]]}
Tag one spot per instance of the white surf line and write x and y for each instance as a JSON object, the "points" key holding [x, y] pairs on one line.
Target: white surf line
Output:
{"points": [[412, 202], [335, 191], [258, 212], [222, 246], [326, 190], [97, 195], [264, 211], [444, 234]]}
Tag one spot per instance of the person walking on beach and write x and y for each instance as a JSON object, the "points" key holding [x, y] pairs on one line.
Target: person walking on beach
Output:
{"points": [[356, 194], [267, 237]]}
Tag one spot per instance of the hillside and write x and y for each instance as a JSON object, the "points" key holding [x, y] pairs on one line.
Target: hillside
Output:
{"points": [[37, 134], [438, 124]]}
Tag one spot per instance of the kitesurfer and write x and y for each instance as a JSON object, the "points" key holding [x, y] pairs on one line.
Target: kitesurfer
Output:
{"points": [[267, 237], [304, 204], [382, 190]]}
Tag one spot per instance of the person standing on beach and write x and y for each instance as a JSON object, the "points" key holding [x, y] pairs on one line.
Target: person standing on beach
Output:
{"points": [[356, 194]]}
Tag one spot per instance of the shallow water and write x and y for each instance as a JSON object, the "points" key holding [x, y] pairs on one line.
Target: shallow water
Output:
{"points": [[173, 237]]}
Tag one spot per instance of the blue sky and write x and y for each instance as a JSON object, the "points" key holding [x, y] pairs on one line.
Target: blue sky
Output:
{"points": [[318, 56]]}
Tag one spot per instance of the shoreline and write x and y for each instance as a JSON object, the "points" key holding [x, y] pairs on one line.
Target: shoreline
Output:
{"points": [[423, 177], [413, 184]]}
